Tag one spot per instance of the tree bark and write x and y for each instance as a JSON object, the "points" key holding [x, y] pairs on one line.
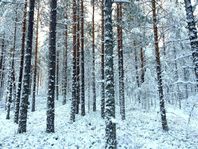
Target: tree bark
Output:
{"points": [[35, 61], [51, 68], [19, 86], [158, 69], [27, 70], [110, 129]]}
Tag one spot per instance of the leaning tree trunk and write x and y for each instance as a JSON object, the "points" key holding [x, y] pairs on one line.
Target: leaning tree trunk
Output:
{"points": [[19, 87], [74, 27], [109, 79], [158, 69], [35, 61], [27, 70], [192, 34], [51, 68], [102, 65], [82, 62]]}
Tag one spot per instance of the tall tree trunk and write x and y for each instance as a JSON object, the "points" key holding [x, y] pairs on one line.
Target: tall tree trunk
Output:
{"points": [[158, 69], [82, 62], [120, 61], [65, 62], [19, 86], [109, 79], [78, 59], [11, 71], [102, 65], [192, 34], [27, 70], [35, 60], [74, 28], [93, 56], [51, 67]]}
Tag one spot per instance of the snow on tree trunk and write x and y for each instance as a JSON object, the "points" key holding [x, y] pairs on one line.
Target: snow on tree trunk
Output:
{"points": [[74, 29], [192, 34], [51, 67], [19, 87], [82, 62], [110, 129], [65, 62], [158, 69], [27, 70], [102, 65], [93, 57]]}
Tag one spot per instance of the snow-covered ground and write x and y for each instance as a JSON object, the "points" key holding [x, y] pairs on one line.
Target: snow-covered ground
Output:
{"points": [[141, 130]]}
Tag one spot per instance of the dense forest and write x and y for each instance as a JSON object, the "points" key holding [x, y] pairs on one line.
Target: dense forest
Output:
{"points": [[98, 74]]}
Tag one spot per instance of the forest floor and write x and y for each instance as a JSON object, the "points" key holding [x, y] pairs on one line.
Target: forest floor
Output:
{"points": [[141, 130]]}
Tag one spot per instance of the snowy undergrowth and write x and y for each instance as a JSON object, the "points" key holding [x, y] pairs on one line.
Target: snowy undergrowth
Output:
{"points": [[141, 130]]}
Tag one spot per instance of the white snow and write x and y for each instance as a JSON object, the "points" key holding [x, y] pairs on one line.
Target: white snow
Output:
{"points": [[141, 130]]}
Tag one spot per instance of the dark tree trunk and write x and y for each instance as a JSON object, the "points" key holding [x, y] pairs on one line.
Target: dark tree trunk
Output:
{"points": [[93, 57], [35, 61], [109, 79], [82, 61], [51, 68], [27, 69], [102, 65], [65, 63], [78, 59], [120, 62], [142, 65], [19, 86], [2, 64], [74, 27], [192, 34], [158, 69]]}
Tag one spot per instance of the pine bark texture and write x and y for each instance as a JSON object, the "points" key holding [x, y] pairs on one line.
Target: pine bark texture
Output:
{"points": [[82, 62], [158, 69], [27, 70], [93, 57], [102, 64], [19, 85], [192, 34], [74, 29], [110, 129], [120, 62], [51, 68], [35, 61]]}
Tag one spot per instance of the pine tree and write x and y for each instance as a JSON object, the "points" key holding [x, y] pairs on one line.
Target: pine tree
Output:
{"points": [[27, 69], [19, 86], [192, 34], [109, 79], [158, 69], [74, 29], [82, 62], [102, 63], [51, 68], [120, 61], [35, 60]]}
